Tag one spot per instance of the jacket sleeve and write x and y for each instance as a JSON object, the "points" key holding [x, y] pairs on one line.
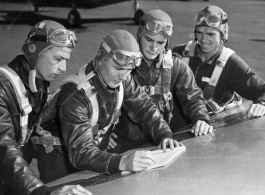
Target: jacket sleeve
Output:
{"points": [[187, 92], [14, 170], [140, 108], [244, 81], [74, 116]]}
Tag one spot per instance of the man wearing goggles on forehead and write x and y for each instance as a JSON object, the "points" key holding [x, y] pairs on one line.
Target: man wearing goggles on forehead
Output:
{"points": [[212, 20], [123, 58], [162, 78], [89, 103], [62, 38], [155, 27], [211, 62], [24, 92]]}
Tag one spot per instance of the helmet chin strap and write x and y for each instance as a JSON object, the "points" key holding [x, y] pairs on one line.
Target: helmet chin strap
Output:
{"points": [[32, 77], [32, 84]]}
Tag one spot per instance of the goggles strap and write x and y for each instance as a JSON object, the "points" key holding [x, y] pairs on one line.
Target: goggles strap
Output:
{"points": [[41, 38], [44, 38], [142, 23], [105, 46]]}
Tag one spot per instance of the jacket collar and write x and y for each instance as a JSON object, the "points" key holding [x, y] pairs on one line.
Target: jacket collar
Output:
{"points": [[21, 66], [155, 62]]}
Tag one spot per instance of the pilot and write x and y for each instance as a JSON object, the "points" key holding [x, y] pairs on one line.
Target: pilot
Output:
{"points": [[88, 107], [222, 75], [24, 86], [162, 78]]}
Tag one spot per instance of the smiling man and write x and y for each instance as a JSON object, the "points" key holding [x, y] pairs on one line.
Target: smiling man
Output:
{"points": [[218, 70], [88, 107]]}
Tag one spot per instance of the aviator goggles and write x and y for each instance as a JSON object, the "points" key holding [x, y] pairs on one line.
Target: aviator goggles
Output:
{"points": [[154, 27], [121, 57], [211, 19], [60, 38]]}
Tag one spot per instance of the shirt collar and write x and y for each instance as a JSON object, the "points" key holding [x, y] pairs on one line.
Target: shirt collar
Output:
{"points": [[213, 59], [154, 63]]}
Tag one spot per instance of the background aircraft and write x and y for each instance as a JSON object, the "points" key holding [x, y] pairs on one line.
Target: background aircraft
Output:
{"points": [[74, 18]]}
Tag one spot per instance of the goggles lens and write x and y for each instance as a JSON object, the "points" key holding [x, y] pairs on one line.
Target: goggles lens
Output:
{"points": [[63, 37], [211, 20], [122, 58], [155, 27]]}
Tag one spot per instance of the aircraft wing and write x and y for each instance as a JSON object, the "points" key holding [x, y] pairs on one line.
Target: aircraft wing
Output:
{"points": [[229, 161]]}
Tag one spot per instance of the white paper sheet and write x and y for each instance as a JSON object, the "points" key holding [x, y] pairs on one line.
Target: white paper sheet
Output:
{"points": [[163, 158]]}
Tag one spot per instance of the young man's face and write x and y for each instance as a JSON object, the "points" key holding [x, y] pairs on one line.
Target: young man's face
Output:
{"points": [[52, 62], [113, 74], [209, 39], [152, 45]]}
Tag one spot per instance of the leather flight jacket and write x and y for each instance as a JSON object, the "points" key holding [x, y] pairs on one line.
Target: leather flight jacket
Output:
{"points": [[236, 76], [74, 114], [14, 163], [182, 86]]}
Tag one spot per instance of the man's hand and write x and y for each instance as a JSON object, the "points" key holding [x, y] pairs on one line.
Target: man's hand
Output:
{"points": [[112, 143], [255, 110], [71, 189], [169, 143], [201, 128], [137, 161]]}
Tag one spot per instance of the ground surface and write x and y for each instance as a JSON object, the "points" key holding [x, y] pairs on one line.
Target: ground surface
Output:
{"points": [[246, 22]]}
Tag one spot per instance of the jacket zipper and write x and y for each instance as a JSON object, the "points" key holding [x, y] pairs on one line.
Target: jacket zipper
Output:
{"points": [[197, 70]]}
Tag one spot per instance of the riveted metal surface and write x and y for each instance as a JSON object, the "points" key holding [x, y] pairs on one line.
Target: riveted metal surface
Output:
{"points": [[231, 160]]}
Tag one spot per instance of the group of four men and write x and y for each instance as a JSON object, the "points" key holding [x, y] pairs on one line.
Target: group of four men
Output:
{"points": [[121, 99]]}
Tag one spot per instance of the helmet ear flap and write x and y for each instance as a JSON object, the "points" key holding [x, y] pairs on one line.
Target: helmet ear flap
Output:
{"points": [[224, 32], [98, 59]]}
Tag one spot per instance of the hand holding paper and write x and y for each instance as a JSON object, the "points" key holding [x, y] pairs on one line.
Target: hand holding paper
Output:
{"points": [[161, 158], [137, 161]]}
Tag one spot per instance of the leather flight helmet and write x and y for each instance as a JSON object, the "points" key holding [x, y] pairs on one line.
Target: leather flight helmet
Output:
{"points": [[155, 16], [117, 40], [212, 10]]}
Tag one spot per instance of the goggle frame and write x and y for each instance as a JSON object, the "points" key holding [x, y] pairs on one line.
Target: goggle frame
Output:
{"points": [[70, 38], [131, 56], [206, 17], [161, 27]]}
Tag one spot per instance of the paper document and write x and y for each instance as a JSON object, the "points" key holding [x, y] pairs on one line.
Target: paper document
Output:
{"points": [[163, 158]]}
